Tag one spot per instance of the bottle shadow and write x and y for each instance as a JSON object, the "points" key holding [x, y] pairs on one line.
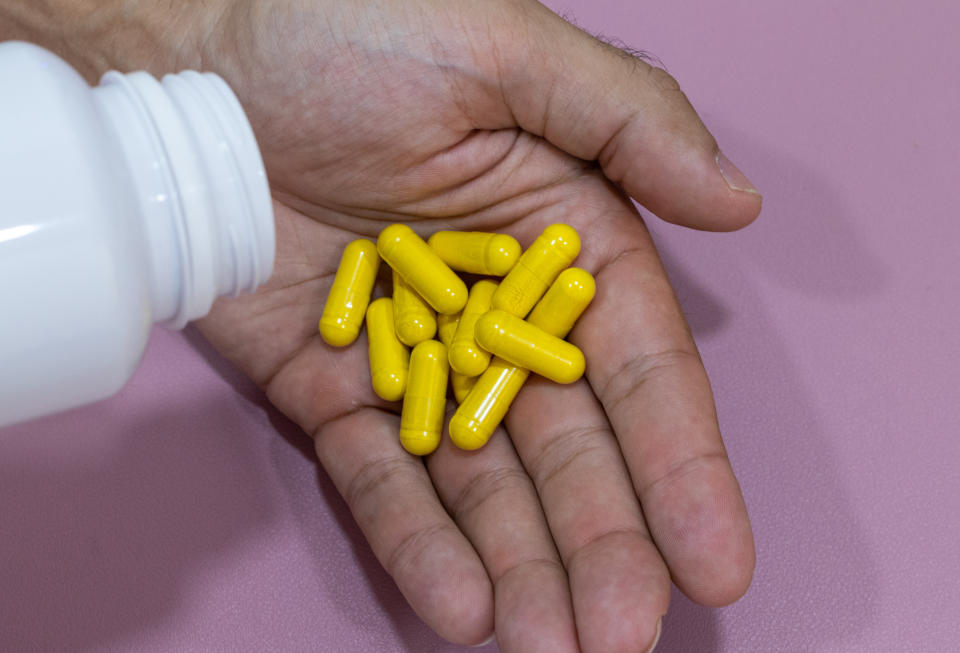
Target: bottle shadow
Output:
{"points": [[106, 512], [805, 239]]}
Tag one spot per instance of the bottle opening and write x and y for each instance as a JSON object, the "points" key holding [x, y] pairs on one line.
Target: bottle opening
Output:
{"points": [[216, 186]]}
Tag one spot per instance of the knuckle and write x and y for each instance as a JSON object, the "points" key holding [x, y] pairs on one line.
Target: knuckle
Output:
{"points": [[532, 566], [413, 547], [571, 448], [375, 475], [641, 368], [679, 470], [486, 485], [662, 80], [604, 538]]}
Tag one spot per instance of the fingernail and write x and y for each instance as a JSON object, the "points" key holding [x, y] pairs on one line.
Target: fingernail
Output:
{"points": [[489, 639], [735, 179], [656, 635]]}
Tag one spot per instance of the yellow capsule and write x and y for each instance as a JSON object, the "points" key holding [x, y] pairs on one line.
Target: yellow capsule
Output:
{"points": [[550, 253], [350, 293], [462, 385], [564, 302], [447, 326], [414, 318], [486, 404], [476, 252], [389, 359], [530, 347], [466, 356], [424, 404], [420, 266]]}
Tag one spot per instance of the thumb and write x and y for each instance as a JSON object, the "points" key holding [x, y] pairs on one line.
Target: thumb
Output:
{"points": [[597, 102]]}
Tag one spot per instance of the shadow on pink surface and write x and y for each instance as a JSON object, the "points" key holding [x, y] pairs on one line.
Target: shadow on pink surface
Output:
{"points": [[101, 534], [816, 579], [804, 240]]}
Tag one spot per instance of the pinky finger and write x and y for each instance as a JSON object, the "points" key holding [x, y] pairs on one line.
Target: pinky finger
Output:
{"points": [[413, 537]]}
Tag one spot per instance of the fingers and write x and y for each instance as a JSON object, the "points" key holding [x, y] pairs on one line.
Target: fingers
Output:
{"points": [[394, 503], [260, 332], [645, 369], [619, 582], [596, 101], [492, 500]]}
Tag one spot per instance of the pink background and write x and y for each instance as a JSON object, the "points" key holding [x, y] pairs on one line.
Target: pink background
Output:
{"points": [[185, 514]]}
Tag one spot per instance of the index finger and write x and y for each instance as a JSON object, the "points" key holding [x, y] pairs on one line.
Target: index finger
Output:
{"points": [[644, 367]]}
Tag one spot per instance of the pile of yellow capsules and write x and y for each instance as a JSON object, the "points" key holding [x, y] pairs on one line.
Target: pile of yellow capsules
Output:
{"points": [[486, 346]]}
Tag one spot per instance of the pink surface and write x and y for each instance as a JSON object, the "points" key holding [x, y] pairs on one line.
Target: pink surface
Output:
{"points": [[186, 515]]}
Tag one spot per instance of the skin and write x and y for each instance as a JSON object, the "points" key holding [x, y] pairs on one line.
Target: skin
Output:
{"points": [[565, 531]]}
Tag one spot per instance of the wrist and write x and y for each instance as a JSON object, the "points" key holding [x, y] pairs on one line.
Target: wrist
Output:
{"points": [[100, 35]]}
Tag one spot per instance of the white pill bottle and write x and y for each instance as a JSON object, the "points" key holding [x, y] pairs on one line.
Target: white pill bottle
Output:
{"points": [[121, 206]]}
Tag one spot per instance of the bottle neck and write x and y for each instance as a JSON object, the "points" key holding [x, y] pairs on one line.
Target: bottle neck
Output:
{"points": [[200, 187]]}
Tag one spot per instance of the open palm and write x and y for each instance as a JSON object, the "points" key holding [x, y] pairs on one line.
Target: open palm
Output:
{"points": [[563, 535]]}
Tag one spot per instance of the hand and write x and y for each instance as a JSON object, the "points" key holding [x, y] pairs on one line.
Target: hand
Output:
{"points": [[565, 534]]}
